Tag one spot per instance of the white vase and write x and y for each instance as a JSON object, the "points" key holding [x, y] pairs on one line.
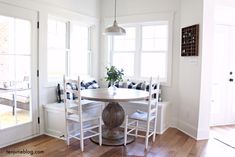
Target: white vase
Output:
{"points": [[112, 87]]}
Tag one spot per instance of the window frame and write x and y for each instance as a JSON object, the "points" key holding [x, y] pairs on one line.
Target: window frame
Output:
{"points": [[139, 21], [155, 51], [67, 49], [111, 41], [57, 18], [89, 46]]}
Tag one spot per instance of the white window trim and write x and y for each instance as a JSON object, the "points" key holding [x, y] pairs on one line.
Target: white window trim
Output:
{"points": [[147, 19]]}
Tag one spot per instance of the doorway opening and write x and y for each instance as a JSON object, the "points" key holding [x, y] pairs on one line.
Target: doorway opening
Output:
{"points": [[222, 116]]}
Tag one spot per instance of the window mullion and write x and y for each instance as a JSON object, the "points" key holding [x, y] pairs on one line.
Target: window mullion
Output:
{"points": [[138, 52], [111, 50], [89, 50], [68, 52]]}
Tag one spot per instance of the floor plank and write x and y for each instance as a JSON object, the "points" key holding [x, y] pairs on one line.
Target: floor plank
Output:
{"points": [[173, 143]]}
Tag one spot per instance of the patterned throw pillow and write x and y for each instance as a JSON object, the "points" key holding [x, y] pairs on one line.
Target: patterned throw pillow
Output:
{"points": [[84, 85], [72, 86], [119, 84], [90, 85], [59, 93], [154, 87], [139, 86], [130, 84]]}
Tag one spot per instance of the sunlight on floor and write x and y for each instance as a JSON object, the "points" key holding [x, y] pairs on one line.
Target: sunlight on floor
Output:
{"points": [[7, 119], [222, 141]]}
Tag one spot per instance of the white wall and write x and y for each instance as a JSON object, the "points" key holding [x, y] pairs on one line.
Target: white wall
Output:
{"points": [[224, 8], [87, 7], [136, 7], [206, 74], [190, 72]]}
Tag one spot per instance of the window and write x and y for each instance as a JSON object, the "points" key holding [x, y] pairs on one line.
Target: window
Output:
{"points": [[143, 52], [124, 48], [15, 71], [69, 50], [56, 52], [80, 50]]}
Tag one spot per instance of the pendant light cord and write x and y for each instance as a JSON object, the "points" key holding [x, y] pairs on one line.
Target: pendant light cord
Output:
{"points": [[115, 11]]}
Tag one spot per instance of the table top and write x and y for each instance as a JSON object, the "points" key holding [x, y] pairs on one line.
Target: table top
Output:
{"points": [[108, 95]]}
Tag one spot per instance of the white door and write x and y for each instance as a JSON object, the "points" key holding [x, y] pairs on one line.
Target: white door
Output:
{"points": [[223, 87], [18, 74]]}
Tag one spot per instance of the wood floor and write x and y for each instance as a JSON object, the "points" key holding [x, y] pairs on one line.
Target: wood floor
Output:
{"points": [[172, 143]]}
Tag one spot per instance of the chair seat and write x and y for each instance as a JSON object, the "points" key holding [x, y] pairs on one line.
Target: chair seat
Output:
{"points": [[85, 104], [87, 113], [89, 102], [141, 115], [142, 102], [85, 117]]}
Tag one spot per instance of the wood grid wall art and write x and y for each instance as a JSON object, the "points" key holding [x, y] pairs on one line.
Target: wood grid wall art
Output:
{"points": [[190, 40]]}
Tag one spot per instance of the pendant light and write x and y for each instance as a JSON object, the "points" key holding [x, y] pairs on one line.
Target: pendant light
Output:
{"points": [[115, 29]]}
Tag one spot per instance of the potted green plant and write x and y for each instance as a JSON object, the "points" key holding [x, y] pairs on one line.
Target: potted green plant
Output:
{"points": [[113, 75]]}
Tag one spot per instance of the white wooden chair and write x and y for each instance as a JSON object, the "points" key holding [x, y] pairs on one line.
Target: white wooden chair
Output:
{"points": [[148, 116], [80, 123]]}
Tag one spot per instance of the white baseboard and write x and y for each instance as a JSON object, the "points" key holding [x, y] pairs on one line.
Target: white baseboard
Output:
{"points": [[203, 134], [21, 140], [162, 131], [187, 129], [48, 134]]}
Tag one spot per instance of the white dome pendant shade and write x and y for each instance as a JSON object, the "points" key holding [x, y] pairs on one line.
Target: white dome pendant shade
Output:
{"points": [[115, 29]]}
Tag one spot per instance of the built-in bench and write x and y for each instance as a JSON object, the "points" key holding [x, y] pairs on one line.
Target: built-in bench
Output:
{"points": [[54, 117], [54, 112]]}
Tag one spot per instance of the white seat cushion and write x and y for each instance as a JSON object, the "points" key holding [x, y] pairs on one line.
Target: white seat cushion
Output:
{"points": [[141, 115], [85, 104], [143, 102], [89, 110], [85, 117]]}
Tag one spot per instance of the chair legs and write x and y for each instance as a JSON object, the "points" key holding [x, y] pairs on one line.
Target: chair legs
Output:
{"points": [[67, 134], [136, 130], [154, 129], [81, 137], [148, 132], [68, 143], [100, 131], [82, 145], [147, 136], [125, 131]]}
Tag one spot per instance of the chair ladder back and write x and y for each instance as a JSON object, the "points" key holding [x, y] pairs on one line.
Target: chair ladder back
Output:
{"points": [[70, 93], [154, 89]]}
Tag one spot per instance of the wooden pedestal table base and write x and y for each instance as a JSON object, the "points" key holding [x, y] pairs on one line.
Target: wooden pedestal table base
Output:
{"points": [[113, 116]]}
